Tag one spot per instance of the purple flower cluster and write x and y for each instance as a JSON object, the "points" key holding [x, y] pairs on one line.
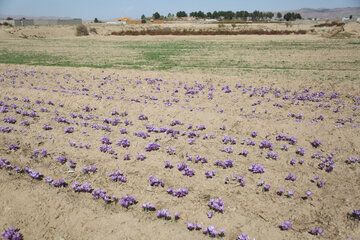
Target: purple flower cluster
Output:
{"points": [[182, 166], [188, 172], [90, 169], [300, 151], [10, 120], [290, 177], [142, 134], [123, 131], [69, 130], [106, 149], [88, 108], [13, 146], [217, 205], [105, 140], [47, 127], [79, 145], [290, 140], [12, 234], [170, 151], [33, 174], [244, 152], [61, 159], [256, 168], [286, 225], [227, 149], [152, 147], [113, 122], [243, 236], [4, 163], [181, 192], [265, 144], [127, 201], [118, 176], [355, 214], [249, 142], [230, 140], [272, 155], [197, 158], [328, 163], [210, 174], [59, 183], [124, 143], [191, 226], [317, 231], [299, 116], [213, 232], [141, 157], [267, 188], [97, 194], [352, 160], [148, 207], [81, 188], [316, 143], [176, 122], [224, 164], [6, 129], [164, 214], [143, 117], [155, 181], [167, 164]]}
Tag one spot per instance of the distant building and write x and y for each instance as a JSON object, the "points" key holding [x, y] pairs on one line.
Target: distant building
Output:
{"points": [[42, 22], [351, 18], [188, 18]]}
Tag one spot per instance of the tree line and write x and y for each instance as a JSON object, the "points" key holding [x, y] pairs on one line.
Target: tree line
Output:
{"points": [[229, 15]]}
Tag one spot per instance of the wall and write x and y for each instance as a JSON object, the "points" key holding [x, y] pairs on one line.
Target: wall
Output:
{"points": [[42, 22]]}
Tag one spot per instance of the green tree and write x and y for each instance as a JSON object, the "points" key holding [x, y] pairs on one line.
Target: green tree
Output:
{"points": [[269, 15], [215, 15], [143, 17], [288, 16], [96, 20], [209, 15], [279, 15], [156, 15], [181, 14], [201, 14]]}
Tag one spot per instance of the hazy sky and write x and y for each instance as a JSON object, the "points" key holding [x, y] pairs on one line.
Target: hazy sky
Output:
{"points": [[108, 9]]}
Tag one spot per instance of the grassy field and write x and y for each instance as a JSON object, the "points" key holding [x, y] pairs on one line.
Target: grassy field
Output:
{"points": [[187, 54]]}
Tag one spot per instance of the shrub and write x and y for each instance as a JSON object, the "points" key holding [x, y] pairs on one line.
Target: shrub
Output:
{"points": [[221, 25], [81, 30], [93, 30]]}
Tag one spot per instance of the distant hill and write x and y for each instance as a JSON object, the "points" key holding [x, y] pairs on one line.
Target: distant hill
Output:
{"points": [[326, 12]]}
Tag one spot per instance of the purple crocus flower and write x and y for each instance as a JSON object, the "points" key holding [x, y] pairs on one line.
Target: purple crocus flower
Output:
{"points": [[164, 214], [256, 168], [316, 143], [286, 225], [243, 236], [148, 207], [118, 176], [190, 226], [12, 234], [59, 183], [217, 205], [316, 231]]}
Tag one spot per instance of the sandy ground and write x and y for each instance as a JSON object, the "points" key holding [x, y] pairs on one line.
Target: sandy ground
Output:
{"points": [[42, 211], [315, 82]]}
